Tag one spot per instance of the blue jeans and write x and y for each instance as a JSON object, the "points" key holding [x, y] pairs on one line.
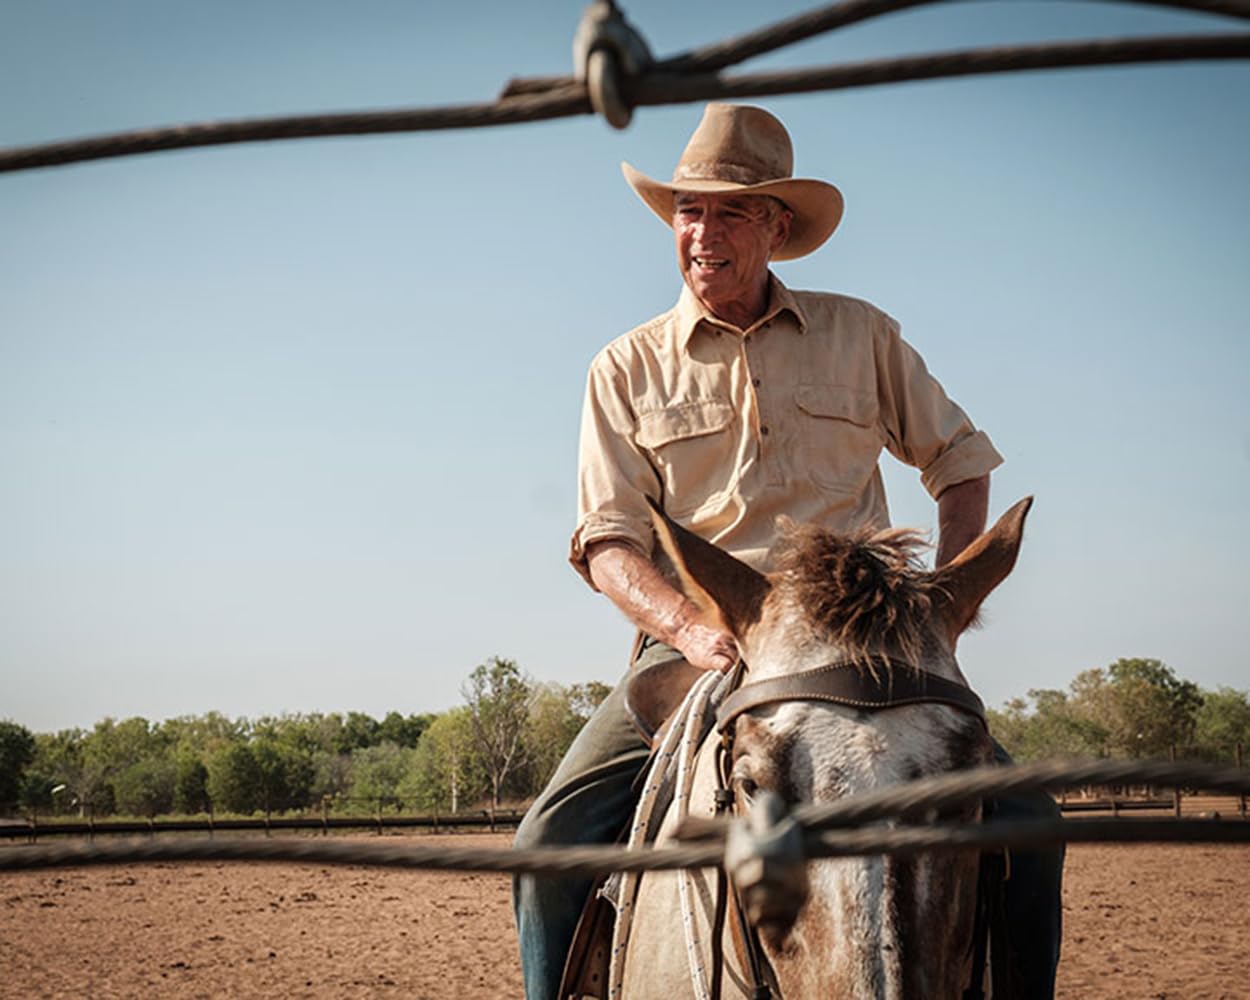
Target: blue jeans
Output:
{"points": [[588, 801], [591, 798]]}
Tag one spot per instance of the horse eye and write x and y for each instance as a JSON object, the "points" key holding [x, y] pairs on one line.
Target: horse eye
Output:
{"points": [[748, 785]]}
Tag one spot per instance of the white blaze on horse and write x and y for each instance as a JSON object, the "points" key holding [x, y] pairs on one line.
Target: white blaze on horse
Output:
{"points": [[872, 927]]}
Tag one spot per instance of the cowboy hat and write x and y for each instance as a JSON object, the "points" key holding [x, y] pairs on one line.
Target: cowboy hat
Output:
{"points": [[738, 149]]}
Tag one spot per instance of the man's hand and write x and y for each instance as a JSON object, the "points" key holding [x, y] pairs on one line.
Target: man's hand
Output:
{"points": [[648, 600], [706, 648]]}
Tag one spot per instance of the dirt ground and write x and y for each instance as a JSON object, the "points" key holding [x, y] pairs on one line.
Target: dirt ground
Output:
{"points": [[1159, 923]]}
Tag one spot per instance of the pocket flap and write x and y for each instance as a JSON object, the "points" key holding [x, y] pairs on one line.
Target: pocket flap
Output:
{"points": [[838, 401], [686, 420]]}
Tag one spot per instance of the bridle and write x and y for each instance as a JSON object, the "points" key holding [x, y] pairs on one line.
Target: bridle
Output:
{"points": [[884, 683]]}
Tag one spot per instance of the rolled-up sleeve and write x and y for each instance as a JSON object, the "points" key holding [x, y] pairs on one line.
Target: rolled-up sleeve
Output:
{"points": [[614, 477], [924, 427]]}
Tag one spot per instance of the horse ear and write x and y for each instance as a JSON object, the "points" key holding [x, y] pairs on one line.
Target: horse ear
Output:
{"points": [[968, 578], [718, 583]]}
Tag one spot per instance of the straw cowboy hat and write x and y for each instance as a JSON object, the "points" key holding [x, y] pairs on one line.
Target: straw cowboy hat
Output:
{"points": [[744, 150]]}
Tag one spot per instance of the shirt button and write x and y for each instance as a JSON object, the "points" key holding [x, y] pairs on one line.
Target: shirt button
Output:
{"points": [[756, 381], [746, 338], [764, 431]]}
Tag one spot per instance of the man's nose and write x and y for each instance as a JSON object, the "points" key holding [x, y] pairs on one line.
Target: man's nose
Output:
{"points": [[708, 227]]}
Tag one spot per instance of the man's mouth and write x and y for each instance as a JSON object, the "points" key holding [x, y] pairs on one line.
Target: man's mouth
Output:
{"points": [[710, 262]]}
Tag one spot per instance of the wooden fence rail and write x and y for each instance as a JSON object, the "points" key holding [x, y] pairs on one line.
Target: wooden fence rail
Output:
{"points": [[32, 828]]}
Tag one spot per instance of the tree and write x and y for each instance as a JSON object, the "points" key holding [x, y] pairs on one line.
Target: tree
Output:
{"points": [[1156, 709], [359, 730], [146, 787], [234, 779], [1222, 722], [59, 760], [497, 696], [377, 772], [190, 782], [444, 772], [1055, 725], [108, 750], [403, 731], [556, 716], [17, 752]]}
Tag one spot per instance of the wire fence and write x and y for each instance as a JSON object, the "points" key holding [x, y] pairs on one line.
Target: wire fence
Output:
{"points": [[32, 827], [895, 811], [618, 75]]}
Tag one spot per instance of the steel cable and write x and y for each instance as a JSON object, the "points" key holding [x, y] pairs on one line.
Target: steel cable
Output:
{"points": [[959, 788], [681, 79], [906, 801], [593, 861]]}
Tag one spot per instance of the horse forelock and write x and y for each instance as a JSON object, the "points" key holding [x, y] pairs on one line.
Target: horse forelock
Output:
{"points": [[867, 591]]}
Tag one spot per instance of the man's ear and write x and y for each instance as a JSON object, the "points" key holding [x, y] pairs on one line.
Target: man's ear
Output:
{"points": [[781, 230], [968, 578], [724, 587]]}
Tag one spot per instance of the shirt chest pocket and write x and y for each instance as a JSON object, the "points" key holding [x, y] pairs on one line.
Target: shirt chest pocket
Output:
{"points": [[692, 447], [839, 435]]}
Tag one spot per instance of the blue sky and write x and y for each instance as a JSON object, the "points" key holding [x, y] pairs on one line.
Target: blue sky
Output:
{"points": [[292, 426]]}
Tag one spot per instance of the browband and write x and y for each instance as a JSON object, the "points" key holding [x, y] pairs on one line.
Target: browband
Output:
{"points": [[885, 684]]}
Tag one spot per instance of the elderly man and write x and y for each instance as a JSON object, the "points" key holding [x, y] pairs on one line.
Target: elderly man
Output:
{"points": [[745, 401]]}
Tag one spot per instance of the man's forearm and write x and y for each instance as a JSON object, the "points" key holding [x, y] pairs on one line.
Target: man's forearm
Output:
{"points": [[633, 583], [962, 510]]}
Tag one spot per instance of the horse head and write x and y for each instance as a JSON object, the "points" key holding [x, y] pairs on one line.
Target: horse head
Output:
{"points": [[879, 927]]}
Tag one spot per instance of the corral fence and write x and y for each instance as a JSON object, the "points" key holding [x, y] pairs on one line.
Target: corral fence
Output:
{"points": [[896, 820], [1179, 801], [379, 820]]}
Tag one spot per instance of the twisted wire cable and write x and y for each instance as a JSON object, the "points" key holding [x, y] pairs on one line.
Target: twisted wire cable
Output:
{"points": [[905, 801], [689, 77]]}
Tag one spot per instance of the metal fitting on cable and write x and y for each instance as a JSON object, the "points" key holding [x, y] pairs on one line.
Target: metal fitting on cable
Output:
{"points": [[606, 52], [765, 858]]}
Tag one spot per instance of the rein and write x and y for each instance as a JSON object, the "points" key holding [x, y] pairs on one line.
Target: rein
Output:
{"points": [[887, 683]]}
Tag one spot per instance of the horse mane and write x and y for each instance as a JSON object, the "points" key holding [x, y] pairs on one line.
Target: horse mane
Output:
{"points": [[866, 591]]}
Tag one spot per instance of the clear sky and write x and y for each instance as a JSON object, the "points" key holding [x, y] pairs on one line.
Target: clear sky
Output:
{"points": [[292, 426]]}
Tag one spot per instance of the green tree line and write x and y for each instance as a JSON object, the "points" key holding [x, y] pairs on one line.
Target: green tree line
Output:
{"points": [[1134, 708], [505, 742], [502, 744]]}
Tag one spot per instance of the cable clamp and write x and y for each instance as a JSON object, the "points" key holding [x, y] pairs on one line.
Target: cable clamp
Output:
{"points": [[607, 53], [765, 858]]}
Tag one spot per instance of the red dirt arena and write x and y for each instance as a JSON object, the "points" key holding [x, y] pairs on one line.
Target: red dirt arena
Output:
{"points": [[1150, 922]]}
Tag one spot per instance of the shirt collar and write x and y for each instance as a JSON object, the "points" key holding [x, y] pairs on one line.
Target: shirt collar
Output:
{"points": [[690, 312]]}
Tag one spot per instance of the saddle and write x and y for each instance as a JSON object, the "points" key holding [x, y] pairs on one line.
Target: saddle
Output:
{"points": [[652, 695]]}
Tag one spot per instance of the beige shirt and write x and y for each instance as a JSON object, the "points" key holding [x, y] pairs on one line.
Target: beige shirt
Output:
{"points": [[728, 429]]}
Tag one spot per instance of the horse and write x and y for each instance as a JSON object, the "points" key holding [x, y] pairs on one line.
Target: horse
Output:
{"points": [[879, 927]]}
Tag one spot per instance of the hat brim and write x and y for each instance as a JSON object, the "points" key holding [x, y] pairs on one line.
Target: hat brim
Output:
{"points": [[816, 205]]}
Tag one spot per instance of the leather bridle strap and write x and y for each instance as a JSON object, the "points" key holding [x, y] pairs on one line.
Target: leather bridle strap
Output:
{"points": [[879, 685]]}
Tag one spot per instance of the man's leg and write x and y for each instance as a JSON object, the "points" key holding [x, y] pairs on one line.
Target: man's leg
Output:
{"points": [[588, 801], [1033, 893]]}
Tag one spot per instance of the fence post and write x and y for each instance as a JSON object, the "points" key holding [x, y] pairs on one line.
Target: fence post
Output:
{"points": [[325, 818], [1176, 791], [210, 821], [379, 815], [1241, 799]]}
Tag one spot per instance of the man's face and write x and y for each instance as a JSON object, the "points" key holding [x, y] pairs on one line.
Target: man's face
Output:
{"points": [[724, 243]]}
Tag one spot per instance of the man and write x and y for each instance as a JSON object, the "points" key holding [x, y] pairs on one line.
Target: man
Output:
{"points": [[744, 402]]}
